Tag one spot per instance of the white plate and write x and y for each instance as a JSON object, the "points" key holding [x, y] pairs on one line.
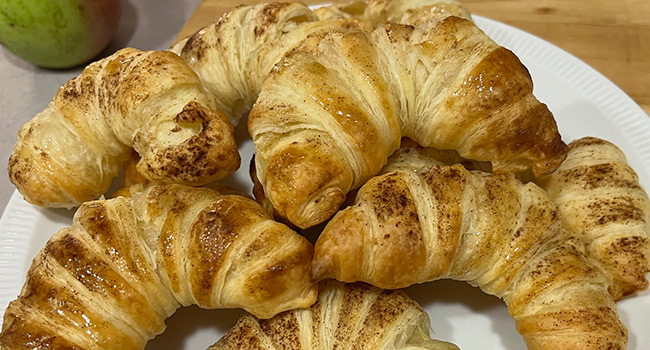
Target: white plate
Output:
{"points": [[583, 102]]}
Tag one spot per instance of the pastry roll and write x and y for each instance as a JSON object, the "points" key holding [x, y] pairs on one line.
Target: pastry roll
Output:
{"points": [[126, 264]]}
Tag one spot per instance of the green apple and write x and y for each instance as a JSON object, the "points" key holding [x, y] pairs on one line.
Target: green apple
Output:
{"points": [[58, 33]]}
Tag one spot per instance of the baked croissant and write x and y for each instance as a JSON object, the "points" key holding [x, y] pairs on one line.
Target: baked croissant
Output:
{"points": [[149, 101], [414, 225], [601, 202], [346, 316], [233, 55], [111, 279], [333, 110]]}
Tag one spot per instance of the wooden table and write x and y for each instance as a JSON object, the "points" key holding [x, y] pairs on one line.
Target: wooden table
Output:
{"points": [[611, 36]]}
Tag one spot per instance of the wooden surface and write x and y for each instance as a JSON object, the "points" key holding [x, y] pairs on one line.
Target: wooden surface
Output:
{"points": [[613, 36]]}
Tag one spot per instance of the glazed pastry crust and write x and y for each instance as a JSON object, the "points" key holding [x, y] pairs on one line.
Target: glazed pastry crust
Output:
{"points": [[345, 316], [601, 202], [418, 224], [148, 101], [111, 279]]}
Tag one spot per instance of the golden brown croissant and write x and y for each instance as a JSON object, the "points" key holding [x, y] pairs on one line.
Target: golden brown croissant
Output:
{"points": [[333, 110], [149, 101], [110, 280], [601, 202], [233, 55], [414, 225], [346, 316]]}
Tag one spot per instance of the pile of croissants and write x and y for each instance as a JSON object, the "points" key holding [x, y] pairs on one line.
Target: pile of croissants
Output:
{"points": [[400, 124]]}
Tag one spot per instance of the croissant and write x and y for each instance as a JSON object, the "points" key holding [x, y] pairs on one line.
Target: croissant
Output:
{"points": [[332, 110], [233, 55], [110, 280], [413, 225], [149, 101], [345, 316], [601, 202]]}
